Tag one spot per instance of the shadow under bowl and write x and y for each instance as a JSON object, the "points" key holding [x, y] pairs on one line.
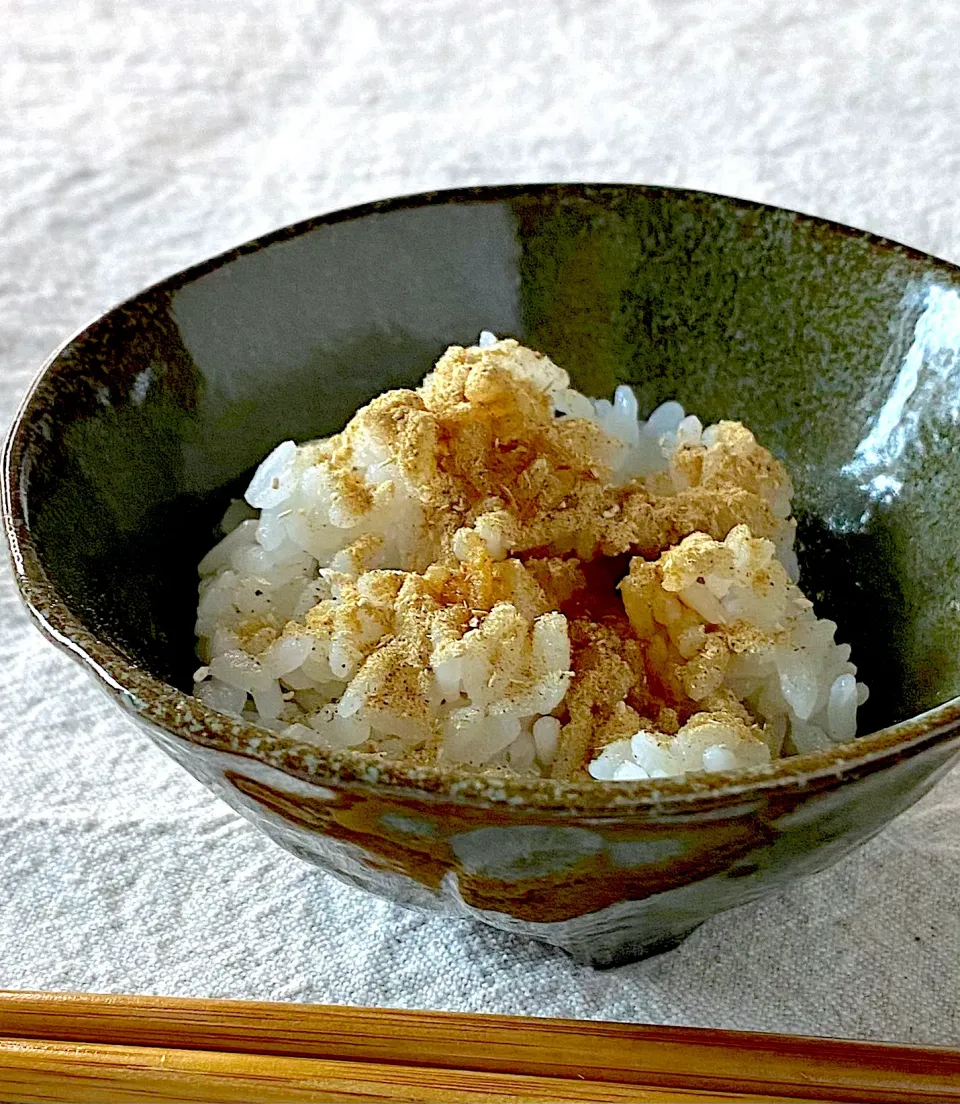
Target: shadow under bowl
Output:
{"points": [[839, 349]]}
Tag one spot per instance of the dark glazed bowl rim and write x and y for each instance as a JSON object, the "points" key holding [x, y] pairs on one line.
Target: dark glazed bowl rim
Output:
{"points": [[186, 718]]}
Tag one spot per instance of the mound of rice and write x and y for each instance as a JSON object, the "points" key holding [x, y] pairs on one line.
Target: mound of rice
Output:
{"points": [[497, 572]]}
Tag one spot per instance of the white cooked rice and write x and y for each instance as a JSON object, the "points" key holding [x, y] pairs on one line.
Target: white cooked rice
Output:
{"points": [[497, 692]]}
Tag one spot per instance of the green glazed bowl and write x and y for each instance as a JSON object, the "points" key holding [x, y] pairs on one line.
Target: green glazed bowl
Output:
{"points": [[840, 350]]}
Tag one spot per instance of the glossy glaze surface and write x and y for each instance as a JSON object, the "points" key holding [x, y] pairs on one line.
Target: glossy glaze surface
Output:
{"points": [[840, 350]]}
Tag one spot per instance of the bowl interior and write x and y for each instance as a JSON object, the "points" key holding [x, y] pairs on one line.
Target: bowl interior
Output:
{"points": [[839, 350]]}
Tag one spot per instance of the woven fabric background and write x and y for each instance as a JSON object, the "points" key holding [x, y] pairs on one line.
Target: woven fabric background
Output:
{"points": [[136, 138]]}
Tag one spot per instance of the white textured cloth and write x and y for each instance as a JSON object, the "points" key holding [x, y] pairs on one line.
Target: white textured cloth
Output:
{"points": [[136, 138]]}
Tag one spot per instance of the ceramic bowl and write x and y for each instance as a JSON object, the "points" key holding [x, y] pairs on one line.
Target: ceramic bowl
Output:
{"points": [[839, 349]]}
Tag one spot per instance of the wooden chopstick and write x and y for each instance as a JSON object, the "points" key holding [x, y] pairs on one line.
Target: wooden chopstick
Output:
{"points": [[82, 1047], [40, 1071]]}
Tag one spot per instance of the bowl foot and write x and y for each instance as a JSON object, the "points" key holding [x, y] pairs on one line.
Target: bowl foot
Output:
{"points": [[631, 949]]}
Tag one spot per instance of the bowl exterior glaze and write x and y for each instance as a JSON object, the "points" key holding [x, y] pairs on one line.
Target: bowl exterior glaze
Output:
{"points": [[842, 352], [608, 889]]}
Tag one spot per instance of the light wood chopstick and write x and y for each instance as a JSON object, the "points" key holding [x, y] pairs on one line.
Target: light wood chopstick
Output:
{"points": [[82, 1047], [35, 1071]]}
